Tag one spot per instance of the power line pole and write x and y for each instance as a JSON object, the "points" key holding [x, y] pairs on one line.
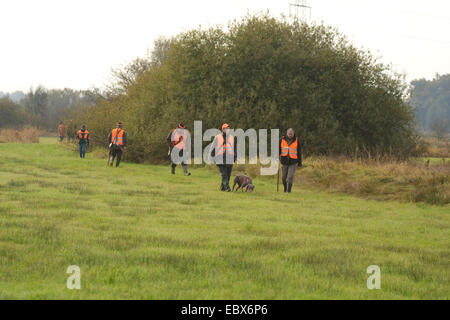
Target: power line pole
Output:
{"points": [[300, 9]]}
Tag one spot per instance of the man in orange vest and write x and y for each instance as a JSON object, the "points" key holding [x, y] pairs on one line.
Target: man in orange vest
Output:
{"points": [[224, 152], [83, 140], [62, 131], [117, 140], [177, 143], [291, 158]]}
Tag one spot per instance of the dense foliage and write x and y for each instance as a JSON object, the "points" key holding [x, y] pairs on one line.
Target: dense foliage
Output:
{"points": [[432, 102], [263, 72], [12, 115]]}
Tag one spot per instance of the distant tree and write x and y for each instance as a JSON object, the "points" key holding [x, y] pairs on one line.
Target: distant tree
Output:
{"points": [[12, 115], [440, 127], [17, 96], [160, 52], [431, 100], [124, 76], [35, 103]]}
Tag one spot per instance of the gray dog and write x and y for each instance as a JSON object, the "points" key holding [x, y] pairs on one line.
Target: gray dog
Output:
{"points": [[243, 182]]}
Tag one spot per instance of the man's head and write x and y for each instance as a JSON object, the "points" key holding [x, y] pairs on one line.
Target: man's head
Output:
{"points": [[290, 133], [83, 127], [119, 125], [181, 125], [61, 122], [225, 128]]}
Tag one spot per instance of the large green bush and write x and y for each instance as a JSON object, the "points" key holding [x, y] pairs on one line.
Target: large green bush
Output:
{"points": [[263, 72]]}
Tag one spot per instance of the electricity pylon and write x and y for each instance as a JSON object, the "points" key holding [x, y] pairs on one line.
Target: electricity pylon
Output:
{"points": [[300, 10]]}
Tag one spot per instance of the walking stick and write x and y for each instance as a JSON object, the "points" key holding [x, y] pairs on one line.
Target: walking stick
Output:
{"points": [[278, 176], [109, 154]]}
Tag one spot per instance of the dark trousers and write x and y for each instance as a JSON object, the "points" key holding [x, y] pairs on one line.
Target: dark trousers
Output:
{"points": [[288, 172], [82, 150], [225, 171], [184, 165], [116, 152], [180, 154], [61, 138]]}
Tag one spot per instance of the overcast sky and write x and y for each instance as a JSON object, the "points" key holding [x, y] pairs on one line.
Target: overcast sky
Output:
{"points": [[75, 43]]}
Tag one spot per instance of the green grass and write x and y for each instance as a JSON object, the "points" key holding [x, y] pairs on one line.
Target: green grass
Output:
{"points": [[138, 232]]}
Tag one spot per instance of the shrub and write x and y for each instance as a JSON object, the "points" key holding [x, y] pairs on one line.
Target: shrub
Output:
{"points": [[263, 72]]}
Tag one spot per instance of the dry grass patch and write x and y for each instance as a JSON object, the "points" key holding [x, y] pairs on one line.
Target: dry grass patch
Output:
{"points": [[384, 180], [27, 135]]}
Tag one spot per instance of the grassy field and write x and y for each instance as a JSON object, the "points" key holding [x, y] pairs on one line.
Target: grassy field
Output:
{"points": [[138, 232]]}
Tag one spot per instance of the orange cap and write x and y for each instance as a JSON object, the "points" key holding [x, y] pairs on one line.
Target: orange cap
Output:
{"points": [[225, 125]]}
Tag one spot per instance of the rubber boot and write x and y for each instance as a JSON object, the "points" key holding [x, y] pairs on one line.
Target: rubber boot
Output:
{"points": [[289, 187], [173, 170], [285, 187], [186, 172]]}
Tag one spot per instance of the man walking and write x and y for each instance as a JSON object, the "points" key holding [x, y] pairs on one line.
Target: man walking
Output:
{"points": [[224, 153], [83, 140], [291, 158], [62, 131], [177, 140], [117, 140]]}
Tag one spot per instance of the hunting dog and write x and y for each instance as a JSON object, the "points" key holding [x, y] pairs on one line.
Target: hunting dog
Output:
{"points": [[243, 182]]}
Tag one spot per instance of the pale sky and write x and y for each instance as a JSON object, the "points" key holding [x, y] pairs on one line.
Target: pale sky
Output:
{"points": [[75, 43]]}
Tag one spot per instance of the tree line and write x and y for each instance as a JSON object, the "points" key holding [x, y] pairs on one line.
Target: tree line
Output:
{"points": [[431, 98], [41, 107]]}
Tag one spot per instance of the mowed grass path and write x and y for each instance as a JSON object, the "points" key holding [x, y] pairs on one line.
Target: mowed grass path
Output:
{"points": [[138, 232]]}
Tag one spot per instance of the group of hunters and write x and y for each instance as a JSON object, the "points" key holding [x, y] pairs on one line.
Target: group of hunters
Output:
{"points": [[223, 151]]}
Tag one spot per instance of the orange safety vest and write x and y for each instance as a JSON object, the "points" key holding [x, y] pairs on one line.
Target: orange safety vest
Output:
{"points": [[178, 140], [221, 147], [62, 129], [117, 139], [80, 134], [289, 150]]}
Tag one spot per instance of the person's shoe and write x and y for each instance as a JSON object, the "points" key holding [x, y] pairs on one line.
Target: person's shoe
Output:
{"points": [[289, 187], [187, 174], [228, 189], [173, 170], [285, 187], [222, 187]]}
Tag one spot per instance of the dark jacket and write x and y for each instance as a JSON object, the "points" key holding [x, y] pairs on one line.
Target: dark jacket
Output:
{"points": [[124, 138], [213, 150], [287, 160], [169, 138]]}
